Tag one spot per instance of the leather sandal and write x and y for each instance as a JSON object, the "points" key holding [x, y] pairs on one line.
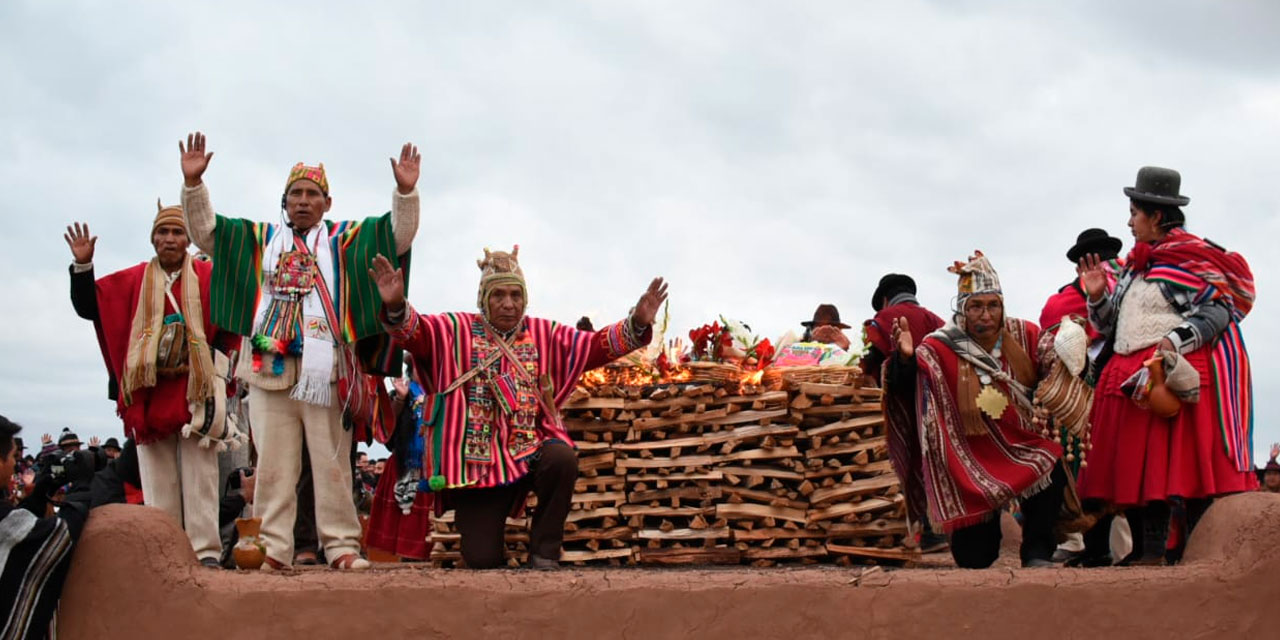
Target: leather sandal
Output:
{"points": [[349, 562], [306, 558]]}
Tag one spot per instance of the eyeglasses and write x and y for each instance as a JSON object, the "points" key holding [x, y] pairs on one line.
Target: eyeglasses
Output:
{"points": [[977, 309]]}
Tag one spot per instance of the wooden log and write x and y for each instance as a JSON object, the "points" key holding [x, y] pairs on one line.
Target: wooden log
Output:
{"points": [[781, 533], [760, 511], [766, 472], [596, 461], [783, 553], [690, 493], [879, 467], [595, 403], [874, 552], [879, 527], [683, 534], [610, 496], [602, 512], [660, 463], [591, 556], [614, 533], [632, 510], [743, 494], [730, 436], [841, 409], [846, 425], [822, 389], [704, 555], [649, 424], [852, 508], [848, 448], [845, 490]]}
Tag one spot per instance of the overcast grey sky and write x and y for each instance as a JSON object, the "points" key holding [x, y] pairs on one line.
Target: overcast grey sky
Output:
{"points": [[764, 157]]}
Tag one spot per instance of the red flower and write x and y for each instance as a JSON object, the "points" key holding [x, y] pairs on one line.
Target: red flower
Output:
{"points": [[764, 353]]}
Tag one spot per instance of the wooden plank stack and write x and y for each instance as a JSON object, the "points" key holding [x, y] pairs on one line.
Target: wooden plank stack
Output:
{"points": [[723, 471]]}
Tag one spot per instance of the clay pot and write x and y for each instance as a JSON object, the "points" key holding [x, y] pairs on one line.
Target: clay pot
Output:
{"points": [[1160, 400], [249, 552]]}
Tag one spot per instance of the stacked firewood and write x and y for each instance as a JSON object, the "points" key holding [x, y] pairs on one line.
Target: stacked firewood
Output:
{"points": [[724, 471]]}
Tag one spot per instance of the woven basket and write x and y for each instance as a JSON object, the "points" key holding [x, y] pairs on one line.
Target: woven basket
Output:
{"points": [[713, 372], [821, 375]]}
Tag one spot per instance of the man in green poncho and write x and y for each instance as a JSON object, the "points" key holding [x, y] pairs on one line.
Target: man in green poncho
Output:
{"points": [[300, 295]]}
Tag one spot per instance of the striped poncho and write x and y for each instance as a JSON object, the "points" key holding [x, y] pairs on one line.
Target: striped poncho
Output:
{"points": [[237, 280], [482, 439], [35, 554]]}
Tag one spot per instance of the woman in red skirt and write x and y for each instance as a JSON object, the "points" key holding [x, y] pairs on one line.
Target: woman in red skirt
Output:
{"points": [[1180, 298]]}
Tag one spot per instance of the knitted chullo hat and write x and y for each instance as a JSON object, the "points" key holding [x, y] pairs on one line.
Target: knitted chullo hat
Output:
{"points": [[168, 216], [303, 172], [976, 277], [68, 438], [499, 268]]}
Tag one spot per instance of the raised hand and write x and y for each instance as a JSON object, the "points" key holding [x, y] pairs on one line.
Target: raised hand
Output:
{"points": [[194, 159], [94, 441], [1092, 276], [901, 337], [81, 242], [831, 334], [390, 282], [406, 171], [1275, 450], [650, 302]]}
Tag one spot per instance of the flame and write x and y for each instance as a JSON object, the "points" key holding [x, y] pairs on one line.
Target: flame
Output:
{"points": [[631, 377], [753, 378]]}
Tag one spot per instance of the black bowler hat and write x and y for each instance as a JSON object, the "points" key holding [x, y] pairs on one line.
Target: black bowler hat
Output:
{"points": [[1094, 241], [1158, 185], [891, 284], [825, 314], [111, 443]]}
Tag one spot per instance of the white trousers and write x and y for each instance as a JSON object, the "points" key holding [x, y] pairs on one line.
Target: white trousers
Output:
{"points": [[181, 477], [279, 424]]}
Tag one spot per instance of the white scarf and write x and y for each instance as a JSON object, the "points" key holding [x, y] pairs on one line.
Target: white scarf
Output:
{"points": [[317, 336]]}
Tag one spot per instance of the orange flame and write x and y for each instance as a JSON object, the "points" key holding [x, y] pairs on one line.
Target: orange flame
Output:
{"points": [[753, 378]]}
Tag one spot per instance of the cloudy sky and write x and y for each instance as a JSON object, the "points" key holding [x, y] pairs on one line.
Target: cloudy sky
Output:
{"points": [[764, 157]]}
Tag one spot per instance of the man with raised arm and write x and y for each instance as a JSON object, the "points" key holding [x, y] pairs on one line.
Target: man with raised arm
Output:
{"points": [[299, 293], [491, 429], [154, 330]]}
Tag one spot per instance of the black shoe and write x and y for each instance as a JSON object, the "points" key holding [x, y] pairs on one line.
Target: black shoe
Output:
{"points": [[1037, 563], [212, 563], [1087, 562], [540, 563]]}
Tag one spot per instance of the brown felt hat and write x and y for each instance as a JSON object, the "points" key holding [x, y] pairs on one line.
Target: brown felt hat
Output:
{"points": [[825, 314]]}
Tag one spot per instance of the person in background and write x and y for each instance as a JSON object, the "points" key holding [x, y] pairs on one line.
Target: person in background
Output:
{"points": [[1269, 476], [37, 547], [111, 448], [894, 297], [826, 327]]}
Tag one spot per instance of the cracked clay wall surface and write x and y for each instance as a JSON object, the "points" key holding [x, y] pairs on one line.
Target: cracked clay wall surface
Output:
{"points": [[134, 576]]}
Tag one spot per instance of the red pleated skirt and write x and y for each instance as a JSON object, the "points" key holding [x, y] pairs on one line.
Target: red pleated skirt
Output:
{"points": [[1138, 457], [391, 530]]}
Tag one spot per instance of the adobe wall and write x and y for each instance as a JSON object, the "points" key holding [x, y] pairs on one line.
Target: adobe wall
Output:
{"points": [[134, 576]]}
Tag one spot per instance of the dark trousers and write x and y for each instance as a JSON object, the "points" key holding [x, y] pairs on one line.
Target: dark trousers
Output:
{"points": [[481, 513], [978, 546]]}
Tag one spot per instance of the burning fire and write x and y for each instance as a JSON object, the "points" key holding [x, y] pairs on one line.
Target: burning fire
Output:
{"points": [[753, 378], [632, 376]]}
